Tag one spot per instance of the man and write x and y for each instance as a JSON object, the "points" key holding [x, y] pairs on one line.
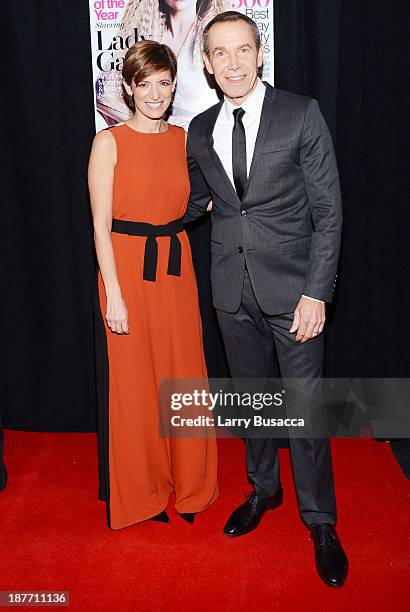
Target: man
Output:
{"points": [[266, 159]]}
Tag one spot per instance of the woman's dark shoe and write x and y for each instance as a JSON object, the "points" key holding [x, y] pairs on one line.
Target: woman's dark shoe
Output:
{"points": [[189, 517], [162, 517]]}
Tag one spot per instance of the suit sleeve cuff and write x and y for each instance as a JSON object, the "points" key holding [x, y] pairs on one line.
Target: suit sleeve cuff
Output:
{"points": [[313, 299]]}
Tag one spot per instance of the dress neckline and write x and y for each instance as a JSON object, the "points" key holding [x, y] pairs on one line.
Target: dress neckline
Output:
{"points": [[148, 133]]}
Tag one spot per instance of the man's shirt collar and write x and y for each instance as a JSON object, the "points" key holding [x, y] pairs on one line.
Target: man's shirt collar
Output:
{"points": [[252, 105]]}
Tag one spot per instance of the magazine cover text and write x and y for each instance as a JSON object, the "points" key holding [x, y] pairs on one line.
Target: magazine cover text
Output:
{"points": [[117, 24]]}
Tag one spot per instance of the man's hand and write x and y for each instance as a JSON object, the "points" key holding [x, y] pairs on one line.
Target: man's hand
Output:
{"points": [[209, 207], [309, 319]]}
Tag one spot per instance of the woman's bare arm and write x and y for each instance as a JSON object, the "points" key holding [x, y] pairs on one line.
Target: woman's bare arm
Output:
{"points": [[100, 183]]}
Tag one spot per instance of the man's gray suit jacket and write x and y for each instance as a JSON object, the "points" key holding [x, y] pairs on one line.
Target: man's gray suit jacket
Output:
{"points": [[288, 225]]}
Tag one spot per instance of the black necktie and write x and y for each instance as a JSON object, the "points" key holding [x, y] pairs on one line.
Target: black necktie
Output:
{"points": [[239, 170]]}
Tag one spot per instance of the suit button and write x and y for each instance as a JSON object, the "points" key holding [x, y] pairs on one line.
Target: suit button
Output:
{"points": [[240, 249], [244, 213]]}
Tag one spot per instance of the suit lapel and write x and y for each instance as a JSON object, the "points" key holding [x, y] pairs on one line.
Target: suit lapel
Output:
{"points": [[263, 131], [213, 154]]}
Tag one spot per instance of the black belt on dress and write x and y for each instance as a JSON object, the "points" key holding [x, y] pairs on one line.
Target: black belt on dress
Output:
{"points": [[137, 228]]}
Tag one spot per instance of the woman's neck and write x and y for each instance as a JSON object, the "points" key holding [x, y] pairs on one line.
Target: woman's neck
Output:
{"points": [[140, 123], [181, 21]]}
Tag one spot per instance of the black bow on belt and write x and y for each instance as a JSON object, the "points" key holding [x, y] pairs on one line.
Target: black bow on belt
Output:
{"points": [[136, 228]]}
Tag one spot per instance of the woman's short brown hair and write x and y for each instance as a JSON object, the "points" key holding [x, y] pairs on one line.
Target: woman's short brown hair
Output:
{"points": [[144, 58]]}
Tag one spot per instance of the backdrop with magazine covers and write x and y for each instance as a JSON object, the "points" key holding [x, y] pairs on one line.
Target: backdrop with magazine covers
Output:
{"points": [[117, 24]]}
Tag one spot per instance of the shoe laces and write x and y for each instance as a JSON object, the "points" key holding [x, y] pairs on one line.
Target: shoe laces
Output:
{"points": [[324, 535], [254, 500]]}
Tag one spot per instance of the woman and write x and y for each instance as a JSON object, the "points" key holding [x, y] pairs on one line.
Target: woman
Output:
{"points": [[178, 24], [138, 181]]}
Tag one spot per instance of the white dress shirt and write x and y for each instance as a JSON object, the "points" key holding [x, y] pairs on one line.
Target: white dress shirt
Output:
{"points": [[222, 133]]}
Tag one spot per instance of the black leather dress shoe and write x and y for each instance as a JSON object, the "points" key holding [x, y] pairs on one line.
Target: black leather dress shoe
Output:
{"points": [[331, 561], [247, 517], [162, 517], [189, 517]]}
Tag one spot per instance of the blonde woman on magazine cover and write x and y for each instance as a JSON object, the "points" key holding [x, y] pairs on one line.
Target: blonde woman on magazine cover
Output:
{"points": [[178, 24]]}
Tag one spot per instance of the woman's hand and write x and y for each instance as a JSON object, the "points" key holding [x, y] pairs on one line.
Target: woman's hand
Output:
{"points": [[117, 314]]}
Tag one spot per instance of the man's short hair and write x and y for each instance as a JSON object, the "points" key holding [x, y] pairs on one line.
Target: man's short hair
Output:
{"points": [[230, 17]]}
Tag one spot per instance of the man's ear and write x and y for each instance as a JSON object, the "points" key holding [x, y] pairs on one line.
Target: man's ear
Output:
{"points": [[207, 63], [174, 84], [261, 51], [127, 88]]}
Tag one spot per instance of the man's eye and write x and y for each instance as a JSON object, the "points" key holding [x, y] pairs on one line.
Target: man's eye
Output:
{"points": [[165, 83], [142, 84], [244, 49]]}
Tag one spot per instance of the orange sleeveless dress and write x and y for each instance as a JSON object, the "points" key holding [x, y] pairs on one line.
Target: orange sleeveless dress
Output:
{"points": [[139, 469]]}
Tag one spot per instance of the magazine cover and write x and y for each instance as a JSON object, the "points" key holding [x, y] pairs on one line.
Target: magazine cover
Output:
{"points": [[117, 24]]}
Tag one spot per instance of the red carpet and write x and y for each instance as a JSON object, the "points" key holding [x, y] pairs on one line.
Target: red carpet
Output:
{"points": [[54, 537]]}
